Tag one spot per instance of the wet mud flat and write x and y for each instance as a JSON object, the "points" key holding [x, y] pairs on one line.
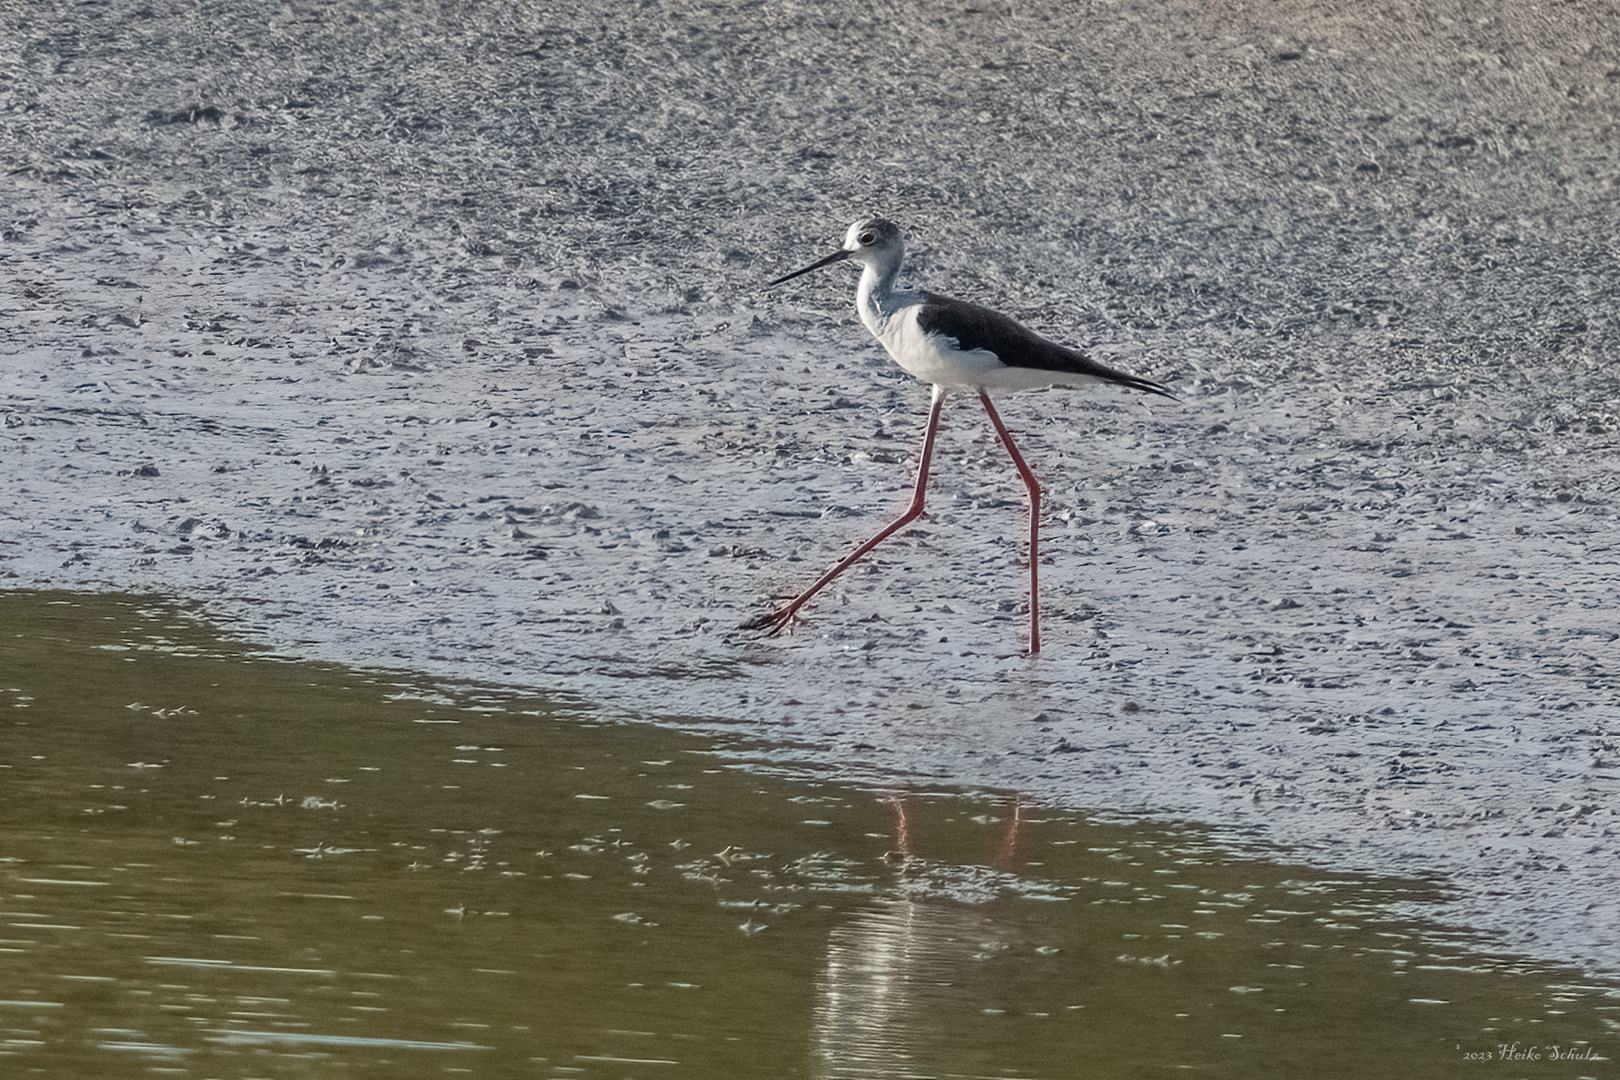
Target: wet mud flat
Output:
{"points": [[434, 341], [222, 863]]}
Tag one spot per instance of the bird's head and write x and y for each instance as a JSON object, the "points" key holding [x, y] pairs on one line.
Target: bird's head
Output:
{"points": [[872, 241]]}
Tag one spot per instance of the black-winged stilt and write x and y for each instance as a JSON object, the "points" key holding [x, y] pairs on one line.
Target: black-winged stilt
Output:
{"points": [[956, 346]]}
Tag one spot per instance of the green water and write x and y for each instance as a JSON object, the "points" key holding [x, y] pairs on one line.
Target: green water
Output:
{"points": [[220, 865]]}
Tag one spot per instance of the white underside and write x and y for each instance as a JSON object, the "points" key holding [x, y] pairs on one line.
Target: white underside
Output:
{"points": [[932, 359]]}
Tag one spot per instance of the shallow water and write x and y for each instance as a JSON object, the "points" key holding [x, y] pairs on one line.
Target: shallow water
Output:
{"points": [[216, 863]]}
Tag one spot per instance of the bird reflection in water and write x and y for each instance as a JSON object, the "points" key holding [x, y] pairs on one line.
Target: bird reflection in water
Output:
{"points": [[897, 974]]}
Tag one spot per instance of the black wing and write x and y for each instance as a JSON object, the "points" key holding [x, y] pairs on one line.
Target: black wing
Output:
{"points": [[975, 327]]}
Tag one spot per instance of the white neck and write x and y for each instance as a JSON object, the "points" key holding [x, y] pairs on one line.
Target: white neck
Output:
{"points": [[876, 298]]}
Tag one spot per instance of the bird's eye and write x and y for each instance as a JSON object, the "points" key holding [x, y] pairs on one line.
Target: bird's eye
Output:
{"points": [[867, 238]]}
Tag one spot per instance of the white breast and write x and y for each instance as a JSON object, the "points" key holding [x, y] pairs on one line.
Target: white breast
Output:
{"points": [[932, 358]]}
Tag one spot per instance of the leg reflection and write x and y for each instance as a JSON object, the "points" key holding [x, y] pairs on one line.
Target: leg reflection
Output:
{"points": [[884, 995]]}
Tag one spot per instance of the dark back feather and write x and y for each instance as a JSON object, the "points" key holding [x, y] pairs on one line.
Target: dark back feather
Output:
{"points": [[974, 327]]}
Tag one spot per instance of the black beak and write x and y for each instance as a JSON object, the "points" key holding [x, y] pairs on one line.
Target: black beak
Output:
{"points": [[837, 256]]}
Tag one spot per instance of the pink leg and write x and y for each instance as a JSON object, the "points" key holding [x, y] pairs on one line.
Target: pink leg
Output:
{"points": [[777, 621], [1034, 489]]}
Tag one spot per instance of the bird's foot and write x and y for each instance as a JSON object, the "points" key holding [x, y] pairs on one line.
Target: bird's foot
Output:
{"points": [[773, 622]]}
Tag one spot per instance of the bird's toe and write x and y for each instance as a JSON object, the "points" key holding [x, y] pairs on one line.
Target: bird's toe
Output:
{"points": [[772, 622]]}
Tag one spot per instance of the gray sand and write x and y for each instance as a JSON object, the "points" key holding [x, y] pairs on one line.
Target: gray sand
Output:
{"points": [[434, 339]]}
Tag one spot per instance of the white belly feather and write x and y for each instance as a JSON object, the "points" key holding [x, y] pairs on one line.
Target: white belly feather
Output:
{"points": [[933, 358]]}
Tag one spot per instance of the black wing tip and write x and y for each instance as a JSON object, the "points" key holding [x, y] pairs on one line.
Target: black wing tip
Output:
{"points": [[1148, 386], [1127, 380]]}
